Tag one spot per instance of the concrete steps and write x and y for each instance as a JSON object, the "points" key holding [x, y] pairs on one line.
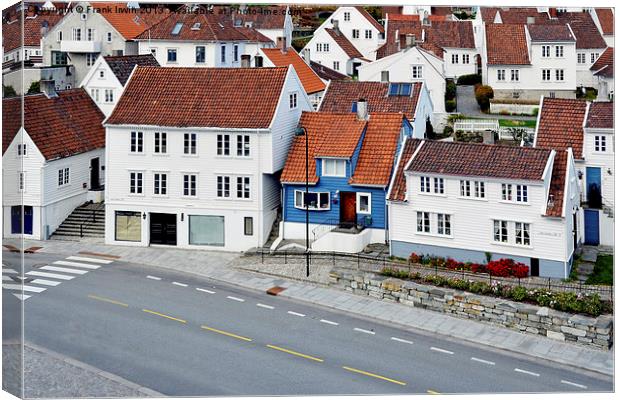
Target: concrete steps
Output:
{"points": [[88, 220]]}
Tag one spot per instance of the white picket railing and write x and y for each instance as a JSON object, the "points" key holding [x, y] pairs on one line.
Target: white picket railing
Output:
{"points": [[476, 125]]}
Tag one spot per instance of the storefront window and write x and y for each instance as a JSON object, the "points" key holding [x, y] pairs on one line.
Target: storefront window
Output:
{"points": [[128, 226], [206, 230]]}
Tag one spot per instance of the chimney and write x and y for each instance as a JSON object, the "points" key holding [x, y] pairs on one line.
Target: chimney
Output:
{"points": [[488, 137], [306, 56], [530, 20], [245, 61], [44, 28], [553, 12], [410, 40], [335, 25], [362, 110], [48, 88], [281, 43]]}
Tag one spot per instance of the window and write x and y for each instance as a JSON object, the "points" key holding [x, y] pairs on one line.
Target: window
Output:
{"points": [[600, 143], [90, 34], [363, 203], [21, 150], [559, 51], [248, 226], [316, 200], [63, 176], [135, 182], [438, 185], [546, 74], [385, 76], [292, 100], [400, 89], [258, 61], [465, 189], [443, 224], [177, 28], [94, 93], [223, 145], [21, 181], [424, 222], [335, 168], [109, 95], [368, 34], [336, 65], [160, 184], [206, 230], [59, 58], [347, 16], [559, 74], [425, 184], [223, 54], [479, 190], [522, 233], [546, 51], [223, 186], [455, 58], [137, 141], [76, 34], [506, 192], [59, 36], [522, 193], [593, 57], [128, 226], [465, 58], [472, 189], [243, 187], [500, 231], [501, 74], [514, 75], [322, 47], [356, 33], [243, 145], [189, 185], [581, 58], [189, 143], [236, 53], [90, 59], [102, 74], [109, 37], [200, 54], [160, 142], [154, 51], [172, 55], [416, 72]]}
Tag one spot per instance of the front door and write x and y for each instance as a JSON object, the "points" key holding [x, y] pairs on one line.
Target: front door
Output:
{"points": [[94, 173], [534, 267], [591, 227], [593, 187], [16, 219], [348, 216], [163, 229]]}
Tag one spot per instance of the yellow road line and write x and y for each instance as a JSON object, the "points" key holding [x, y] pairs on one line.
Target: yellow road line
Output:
{"points": [[359, 371], [118, 303], [164, 315], [432, 392], [294, 353], [226, 333]]}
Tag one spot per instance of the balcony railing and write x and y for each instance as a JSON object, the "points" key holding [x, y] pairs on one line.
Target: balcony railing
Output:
{"points": [[80, 46]]}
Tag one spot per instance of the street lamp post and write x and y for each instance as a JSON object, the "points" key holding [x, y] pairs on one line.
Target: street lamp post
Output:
{"points": [[301, 130]]}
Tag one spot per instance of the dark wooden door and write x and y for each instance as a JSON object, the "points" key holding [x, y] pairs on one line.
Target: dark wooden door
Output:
{"points": [[163, 229], [94, 173], [348, 215]]}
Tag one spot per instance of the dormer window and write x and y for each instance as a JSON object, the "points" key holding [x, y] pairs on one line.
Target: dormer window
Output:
{"points": [[400, 89], [177, 28], [335, 168]]}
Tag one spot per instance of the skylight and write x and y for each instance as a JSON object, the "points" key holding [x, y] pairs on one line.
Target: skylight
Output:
{"points": [[177, 28], [400, 89], [196, 26]]}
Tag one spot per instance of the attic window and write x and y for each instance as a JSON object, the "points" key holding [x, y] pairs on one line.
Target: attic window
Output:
{"points": [[238, 22], [196, 26], [400, 89], [177, 28], [136, 19]]}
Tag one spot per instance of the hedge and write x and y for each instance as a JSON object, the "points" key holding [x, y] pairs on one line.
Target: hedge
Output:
{"points": [[484, 94], [471, 79]]}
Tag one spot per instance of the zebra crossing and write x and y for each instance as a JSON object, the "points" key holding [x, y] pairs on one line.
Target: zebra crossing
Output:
{"points": [[48, 276]]}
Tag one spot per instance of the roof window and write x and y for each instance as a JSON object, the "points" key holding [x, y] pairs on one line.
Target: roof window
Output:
{"points": [[177, 28], [196, 26], [400, 89]]}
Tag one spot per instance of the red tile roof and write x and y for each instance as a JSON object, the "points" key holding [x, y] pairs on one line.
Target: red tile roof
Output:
{"points": [[258, 17], [200, 97], [561, 125], [132, 24], [341, 95], [326, 73], [122, 66], [12, 34], [344, 43], [606, 19], [515, 15], [399, 187], [506, 45], [211, 28], [600, 115], [585, 30], [377, 155], [60, 127], [555, 202], [604, 65], [253, 35], [451, 34], [370, 18], [483, 160], [311, 82], [550, 33]]}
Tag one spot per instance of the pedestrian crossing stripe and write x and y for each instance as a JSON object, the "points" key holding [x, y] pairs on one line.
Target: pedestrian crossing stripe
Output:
{"points": [[50, 275], [76, 264], [90, 260], [25, 288], [61, 269]]}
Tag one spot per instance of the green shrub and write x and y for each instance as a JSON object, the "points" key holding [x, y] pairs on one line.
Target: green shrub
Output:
{"points": [[35, 87], [450, 89], [471, 79], [535, 112], [518, 293], [484, 94], [450, 105], [448, 130], [8, 91]]}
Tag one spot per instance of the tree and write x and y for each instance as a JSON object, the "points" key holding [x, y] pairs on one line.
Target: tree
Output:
{"points": [[430, 133], [35, 87], [8, 91], [519, 134]]}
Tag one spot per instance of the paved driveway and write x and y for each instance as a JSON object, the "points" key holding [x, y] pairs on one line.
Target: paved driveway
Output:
{"points": [[467, 105]]}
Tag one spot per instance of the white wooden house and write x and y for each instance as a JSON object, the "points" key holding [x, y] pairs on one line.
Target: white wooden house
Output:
{"points": [[463, 200], [53, 163], [193, 162]]}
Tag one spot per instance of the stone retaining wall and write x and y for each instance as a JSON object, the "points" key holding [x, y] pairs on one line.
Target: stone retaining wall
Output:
{"points": [[557, 325]]}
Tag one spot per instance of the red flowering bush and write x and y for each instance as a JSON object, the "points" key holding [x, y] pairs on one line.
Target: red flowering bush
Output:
{"points": [[520, 270], [452, 264], [478, 268], [415, 258], [507, 267]]}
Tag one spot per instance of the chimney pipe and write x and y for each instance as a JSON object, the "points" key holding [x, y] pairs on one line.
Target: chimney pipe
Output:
{"points": [[335, 25], [281, 43], [362, 110], [245, 61], [410, 40]]}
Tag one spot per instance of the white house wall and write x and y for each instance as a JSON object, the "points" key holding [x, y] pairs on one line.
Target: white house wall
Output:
{"points": [[454, 70], [94, 82], [327, 58]]}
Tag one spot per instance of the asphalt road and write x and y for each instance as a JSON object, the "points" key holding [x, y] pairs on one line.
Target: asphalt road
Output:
{"points": [[183, 335]]}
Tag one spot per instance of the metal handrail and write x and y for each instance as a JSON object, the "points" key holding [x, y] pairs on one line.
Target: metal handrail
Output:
{"points": [[324, 227]]}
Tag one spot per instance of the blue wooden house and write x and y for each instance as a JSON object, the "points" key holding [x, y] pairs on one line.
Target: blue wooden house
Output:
{"points": [[351, 159]]}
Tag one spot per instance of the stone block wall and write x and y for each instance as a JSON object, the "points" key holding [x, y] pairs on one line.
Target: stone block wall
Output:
{"points": [[528, 318]]}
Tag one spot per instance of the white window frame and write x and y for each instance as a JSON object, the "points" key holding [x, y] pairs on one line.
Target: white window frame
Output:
{"points": [[368, 34], [358, 203], [425, 184], [192, 185], [176, 55], [417, 72], [109, 37], [546, 51], [222, 187], [507, 192], [559, 75], [347, 16], [160, 184], [192, 144], [581, 58], [299, 200], [455, 58], [523, 235], [134, 188], [500, 231], [292, 100], [444, 224], [204, 54], [546, 74], [246, 187], [108, 96], [521, 194], [136, 146], [594, 57], [501, 75], [465, 58], [22, 150], [335, 172], [223, 145], [244, 146], [355, 34], [160, 143], [438, 186], [423, 222], [600, 143], [336, 65], [21, 181], [559, 51], [514, 75]]}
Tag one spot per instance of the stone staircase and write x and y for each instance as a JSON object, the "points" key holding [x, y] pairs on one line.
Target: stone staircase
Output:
{"points": [[88, 220]]}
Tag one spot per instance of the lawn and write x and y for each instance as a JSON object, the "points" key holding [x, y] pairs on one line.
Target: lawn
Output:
{"points": [[603, 273], [513, 123]]}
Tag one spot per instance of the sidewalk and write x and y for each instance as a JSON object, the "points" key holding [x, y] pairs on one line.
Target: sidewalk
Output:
{"points": [[221, 266]]}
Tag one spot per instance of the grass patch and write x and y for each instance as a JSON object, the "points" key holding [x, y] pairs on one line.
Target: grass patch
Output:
{"points": [[513, 123], [603, 273]]}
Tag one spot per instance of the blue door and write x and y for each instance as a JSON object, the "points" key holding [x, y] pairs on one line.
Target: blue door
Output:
{"points": [[28, 220], [16, 219], [593, 187], [591, 227]]}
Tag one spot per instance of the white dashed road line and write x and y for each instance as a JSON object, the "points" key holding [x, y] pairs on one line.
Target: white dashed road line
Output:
{"points": [[574, 384], [364, 331], [328, 322], [67, 270], [50, 275], [523, 371], [265, 306], [90, 260], [235, 299], [401, 340], [296, 313], [179, 284], [442, 350], [480, 360], [205, 290], [155, 278], [76, 264]]}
